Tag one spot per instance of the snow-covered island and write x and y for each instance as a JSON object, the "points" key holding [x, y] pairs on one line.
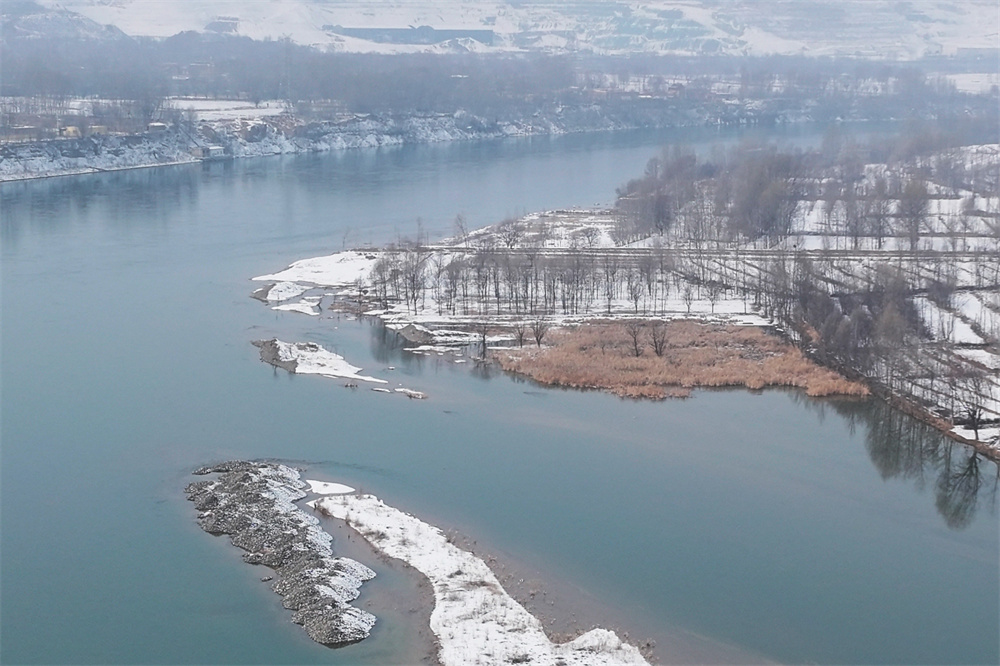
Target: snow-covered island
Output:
{"points": [[474, 619]]}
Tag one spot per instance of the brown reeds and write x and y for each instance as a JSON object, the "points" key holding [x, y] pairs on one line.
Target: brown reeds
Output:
{"points": [[602, 355]]}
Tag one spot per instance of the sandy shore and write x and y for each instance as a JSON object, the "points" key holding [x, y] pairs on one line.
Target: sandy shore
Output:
{"points": [[414, 601], [565, 610]]}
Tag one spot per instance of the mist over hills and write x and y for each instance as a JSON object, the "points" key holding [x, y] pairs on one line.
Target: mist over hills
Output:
{"points": [[857, 28]]}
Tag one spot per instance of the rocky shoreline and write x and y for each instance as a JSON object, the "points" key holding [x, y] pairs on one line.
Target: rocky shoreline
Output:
{"points": [[254, 503]]}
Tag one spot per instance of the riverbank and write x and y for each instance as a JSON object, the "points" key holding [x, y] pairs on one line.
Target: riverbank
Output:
{"points": [[283, 134], [450, 318]]}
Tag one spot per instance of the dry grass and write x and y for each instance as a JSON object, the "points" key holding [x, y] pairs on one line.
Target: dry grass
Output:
{"points": [[601, 355]]}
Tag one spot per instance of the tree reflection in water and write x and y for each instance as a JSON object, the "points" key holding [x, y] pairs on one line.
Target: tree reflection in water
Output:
{"points": [[900, 446]]}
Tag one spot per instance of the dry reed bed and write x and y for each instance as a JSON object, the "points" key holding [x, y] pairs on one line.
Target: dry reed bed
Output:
{"points": [[602, 355]]}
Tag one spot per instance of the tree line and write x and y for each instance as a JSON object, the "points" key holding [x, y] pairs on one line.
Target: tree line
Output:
{"points": [[753, 191]]}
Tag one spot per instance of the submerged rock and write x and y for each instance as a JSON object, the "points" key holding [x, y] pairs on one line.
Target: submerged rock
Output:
{"points": [[254, 503]]}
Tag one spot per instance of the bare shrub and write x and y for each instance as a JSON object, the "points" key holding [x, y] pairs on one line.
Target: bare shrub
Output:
{"points": [[694, 355], [658, 337]]}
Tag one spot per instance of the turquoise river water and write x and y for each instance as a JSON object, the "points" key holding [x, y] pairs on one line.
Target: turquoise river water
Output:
{"points": [[761, 526]]}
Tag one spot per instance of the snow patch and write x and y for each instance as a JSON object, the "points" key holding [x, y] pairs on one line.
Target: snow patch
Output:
{"points": [[312, 359], [474, 618], [303, 307], [285, 291], [335, 270], [328, 487]]}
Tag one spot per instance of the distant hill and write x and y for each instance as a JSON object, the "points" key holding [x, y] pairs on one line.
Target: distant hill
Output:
{"points": [[863, 28], [22, 19]]}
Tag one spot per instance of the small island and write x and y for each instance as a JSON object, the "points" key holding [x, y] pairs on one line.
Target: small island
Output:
{"points": [[254, 503]]}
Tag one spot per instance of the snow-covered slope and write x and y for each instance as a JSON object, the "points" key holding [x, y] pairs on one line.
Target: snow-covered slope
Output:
{"points": [[870, 28], [26, 20]]}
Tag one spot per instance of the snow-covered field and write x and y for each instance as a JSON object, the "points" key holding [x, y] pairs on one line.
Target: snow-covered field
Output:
{"points": [[474, 619], [821, 27], [212, 110], [336, 270], [945, 325]]}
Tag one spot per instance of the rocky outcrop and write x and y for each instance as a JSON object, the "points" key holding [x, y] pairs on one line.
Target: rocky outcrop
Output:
{"points": [[270, 353], [254, 503]]}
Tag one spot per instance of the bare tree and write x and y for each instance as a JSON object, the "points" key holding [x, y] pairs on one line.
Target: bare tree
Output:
{"points": [[658, 337], [913, 204], [510, 232], [688, 295], [520, 332], [414, 273], [539, 328], [483, 329], [634, 331], [715, 289], [461, 229], [635, 289], [974, 391], [854, 219], [877, 208]]}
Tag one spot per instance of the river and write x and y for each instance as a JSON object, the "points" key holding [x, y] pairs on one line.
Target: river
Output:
{"points": [[738, 526]]}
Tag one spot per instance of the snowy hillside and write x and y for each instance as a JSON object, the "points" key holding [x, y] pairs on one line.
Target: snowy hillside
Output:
{"points": [[870, 28]]}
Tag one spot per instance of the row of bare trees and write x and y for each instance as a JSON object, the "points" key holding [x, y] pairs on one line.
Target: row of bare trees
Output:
{"points": [[525, 282], [756, 192]]}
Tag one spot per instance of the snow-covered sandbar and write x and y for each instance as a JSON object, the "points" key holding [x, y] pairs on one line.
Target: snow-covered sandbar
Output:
{"points": [[308, 358], [474, 619], [335, 270]]}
